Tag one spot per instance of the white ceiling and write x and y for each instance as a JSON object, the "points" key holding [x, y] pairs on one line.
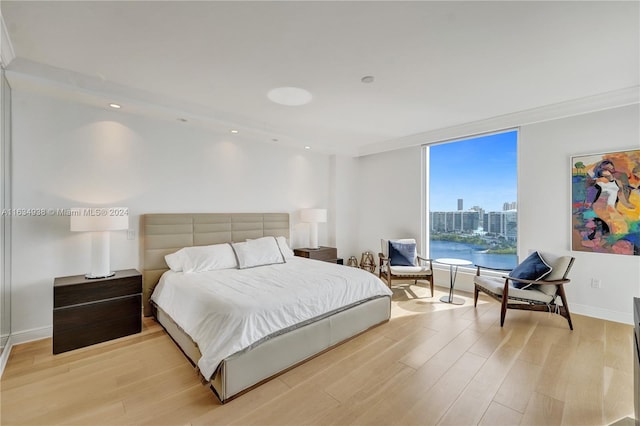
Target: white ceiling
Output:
{"points": [[436, 64]]}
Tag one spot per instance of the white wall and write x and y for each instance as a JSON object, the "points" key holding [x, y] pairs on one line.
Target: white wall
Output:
{"points": [[5, 220], [544, 220], [344, 175], [68, 154], [390, 205], [389, 197]]}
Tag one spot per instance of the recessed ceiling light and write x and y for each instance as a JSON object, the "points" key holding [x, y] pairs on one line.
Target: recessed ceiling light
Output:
{"points": [[307, 147], [274, 140], [289, 96], [234, 131], [182, 120], [116, 106], [367, 79]]}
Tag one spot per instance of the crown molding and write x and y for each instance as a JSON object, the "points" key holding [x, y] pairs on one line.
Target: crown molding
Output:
{"points": [[64, 84], [7, 53], [603, 101]]}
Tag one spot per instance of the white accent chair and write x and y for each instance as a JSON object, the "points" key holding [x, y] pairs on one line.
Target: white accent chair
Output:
{"points": [[421, 270], [540, 295]]}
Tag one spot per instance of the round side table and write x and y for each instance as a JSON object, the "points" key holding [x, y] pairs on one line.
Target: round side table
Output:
{"points": [[453, 272]]}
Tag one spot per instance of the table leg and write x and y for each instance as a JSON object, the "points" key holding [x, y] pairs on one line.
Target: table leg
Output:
{"points": [[453, 273]]}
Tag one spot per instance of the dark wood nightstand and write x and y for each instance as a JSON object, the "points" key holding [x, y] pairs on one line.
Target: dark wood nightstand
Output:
{"points": [[327, 254], [87, 311]]}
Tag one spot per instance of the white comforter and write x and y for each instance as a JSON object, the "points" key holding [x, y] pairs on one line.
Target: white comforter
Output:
{"points": [[228, 310]]}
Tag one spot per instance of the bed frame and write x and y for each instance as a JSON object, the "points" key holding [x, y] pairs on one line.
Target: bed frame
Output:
{"points": [[165, 233]]}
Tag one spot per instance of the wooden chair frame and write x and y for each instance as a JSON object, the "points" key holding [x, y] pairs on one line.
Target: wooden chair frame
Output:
{"points": [[529, 305], [385, 273]]}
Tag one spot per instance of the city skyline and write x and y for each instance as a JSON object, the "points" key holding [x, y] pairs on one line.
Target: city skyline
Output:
{"points": [[477, 208], [457, 168], [503, 223]]}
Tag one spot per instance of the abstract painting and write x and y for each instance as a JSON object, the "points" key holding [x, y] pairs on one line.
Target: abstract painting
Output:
{"points": [[605, 200]]}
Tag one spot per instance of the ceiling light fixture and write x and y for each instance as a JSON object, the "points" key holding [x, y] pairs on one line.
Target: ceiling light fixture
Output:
{"points": [[367, 79], [289, 96], [234, 131], [307, 147], [115, 106], [182, 120]]}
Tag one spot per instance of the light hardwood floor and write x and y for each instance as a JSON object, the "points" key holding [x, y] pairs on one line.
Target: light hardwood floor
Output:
{"points": [[431, 364]]}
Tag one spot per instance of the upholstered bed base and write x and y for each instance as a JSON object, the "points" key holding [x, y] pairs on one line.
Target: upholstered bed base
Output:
{"points": [[249, 368], [166, 233]]}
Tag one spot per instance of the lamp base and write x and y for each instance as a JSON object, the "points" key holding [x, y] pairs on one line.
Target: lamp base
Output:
{"points": [[91, 276]]}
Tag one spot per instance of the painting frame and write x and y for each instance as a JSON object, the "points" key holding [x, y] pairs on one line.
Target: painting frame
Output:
{"points": [[605, 202]]}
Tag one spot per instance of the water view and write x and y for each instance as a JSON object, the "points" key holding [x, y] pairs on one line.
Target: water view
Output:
{"points": [[472, 199], [474, 253]]}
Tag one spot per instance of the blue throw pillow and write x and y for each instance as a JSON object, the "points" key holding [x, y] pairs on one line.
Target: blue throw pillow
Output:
{"points": [[402, 254], [532, 268]]}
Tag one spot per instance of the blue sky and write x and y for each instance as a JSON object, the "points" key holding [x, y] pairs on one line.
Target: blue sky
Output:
{"points": [[482, 171]]}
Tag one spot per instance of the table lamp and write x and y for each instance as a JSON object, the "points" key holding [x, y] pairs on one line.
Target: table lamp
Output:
{"points": [[99, 221], [313, 217]]}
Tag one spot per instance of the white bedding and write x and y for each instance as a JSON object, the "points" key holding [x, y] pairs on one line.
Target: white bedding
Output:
{"points": [[228, 310]]}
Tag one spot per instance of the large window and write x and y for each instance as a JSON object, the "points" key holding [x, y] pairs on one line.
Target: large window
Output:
{"points": [[471, 199]]}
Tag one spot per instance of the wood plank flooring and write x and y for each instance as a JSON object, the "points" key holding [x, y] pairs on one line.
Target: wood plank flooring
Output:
{"points": [[433, 363]]}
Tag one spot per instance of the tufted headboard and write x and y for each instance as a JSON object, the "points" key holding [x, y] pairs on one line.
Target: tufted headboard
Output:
{"points": [[165, 233]]}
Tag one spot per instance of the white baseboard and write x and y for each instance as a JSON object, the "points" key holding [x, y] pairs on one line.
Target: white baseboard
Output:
{"points": [[4, 356], [31, 335], [22, 337], [605, 314]]}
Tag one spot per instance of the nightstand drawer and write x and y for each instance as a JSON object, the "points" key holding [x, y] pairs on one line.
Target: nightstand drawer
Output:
{"points": [[84, 325], [77, 289], [81, 315]]}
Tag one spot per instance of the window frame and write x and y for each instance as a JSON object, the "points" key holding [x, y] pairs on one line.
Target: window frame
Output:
{"points": [[425, 217]]}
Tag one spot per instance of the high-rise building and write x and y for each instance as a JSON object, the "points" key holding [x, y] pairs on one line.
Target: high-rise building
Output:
{"points": [[460, 204], [438, 221], [481, 217], [503, 223], [494, 222], [457, 221], [510, 225], [510, 206], [470, 221]]}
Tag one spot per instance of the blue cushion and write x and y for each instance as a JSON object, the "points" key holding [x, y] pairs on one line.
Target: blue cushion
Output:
{"points": [[402, 254], [532, 268]]}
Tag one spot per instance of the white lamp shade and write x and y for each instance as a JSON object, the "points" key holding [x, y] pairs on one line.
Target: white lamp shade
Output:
{"points": [[99, 219], [313, 215]]}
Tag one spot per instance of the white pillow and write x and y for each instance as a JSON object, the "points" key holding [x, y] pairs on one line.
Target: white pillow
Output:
{"points": [[202, 258], [259, 252], [176, 260], [287, 253], [284, 247]]}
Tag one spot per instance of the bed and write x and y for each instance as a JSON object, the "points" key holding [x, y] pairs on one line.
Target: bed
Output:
{"points": [[231, 370]]}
